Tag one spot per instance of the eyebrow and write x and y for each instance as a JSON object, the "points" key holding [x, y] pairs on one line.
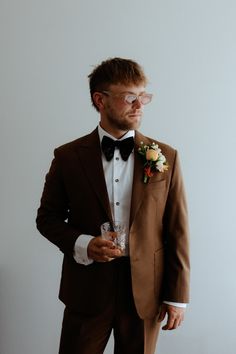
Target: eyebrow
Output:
{"points": [[133, 93]]}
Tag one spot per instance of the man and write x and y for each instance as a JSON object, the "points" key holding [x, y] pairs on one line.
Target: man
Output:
{"points": [[138, 181]]}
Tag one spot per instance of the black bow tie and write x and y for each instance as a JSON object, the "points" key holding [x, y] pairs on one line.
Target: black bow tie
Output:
{"points": [[125, 146]]}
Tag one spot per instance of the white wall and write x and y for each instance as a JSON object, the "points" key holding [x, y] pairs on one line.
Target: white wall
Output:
{"points": [[188, 50]]}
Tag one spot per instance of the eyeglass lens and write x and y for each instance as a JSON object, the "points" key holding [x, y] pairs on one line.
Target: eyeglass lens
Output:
{"points": [[144, 99]]}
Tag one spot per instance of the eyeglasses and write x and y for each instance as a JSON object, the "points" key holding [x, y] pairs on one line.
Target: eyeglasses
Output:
{"points": [[130, 98]]}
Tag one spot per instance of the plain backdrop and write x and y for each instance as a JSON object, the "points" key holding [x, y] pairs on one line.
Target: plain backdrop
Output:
{"points": [[188, 50]]}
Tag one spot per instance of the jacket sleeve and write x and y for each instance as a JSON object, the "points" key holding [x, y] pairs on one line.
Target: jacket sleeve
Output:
{"points": [[176, 233], [54, 210]]}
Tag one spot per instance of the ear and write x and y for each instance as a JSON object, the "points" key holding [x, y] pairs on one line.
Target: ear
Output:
{"points": [[98, 100]]}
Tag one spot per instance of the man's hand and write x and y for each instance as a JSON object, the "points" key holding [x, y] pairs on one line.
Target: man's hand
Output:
{"points": [[175, 315], [101, 250]]}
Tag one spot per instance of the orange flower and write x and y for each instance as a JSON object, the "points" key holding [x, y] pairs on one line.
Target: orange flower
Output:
{"points": [[151, 155], [148, 172]]}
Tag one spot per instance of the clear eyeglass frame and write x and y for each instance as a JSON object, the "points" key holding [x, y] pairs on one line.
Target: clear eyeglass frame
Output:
{"points": [[130, 98]]}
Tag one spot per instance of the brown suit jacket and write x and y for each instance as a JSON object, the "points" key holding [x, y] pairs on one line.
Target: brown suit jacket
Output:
{"points": [[75, 201]]}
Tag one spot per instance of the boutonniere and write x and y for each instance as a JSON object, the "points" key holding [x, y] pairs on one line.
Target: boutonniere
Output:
{"points": [[153, 159]]}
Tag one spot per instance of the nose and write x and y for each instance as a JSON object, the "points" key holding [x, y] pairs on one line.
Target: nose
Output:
{"points": [[137, 103]]}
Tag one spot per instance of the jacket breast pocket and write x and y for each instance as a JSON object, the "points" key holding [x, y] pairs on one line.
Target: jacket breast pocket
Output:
{"points": [[157, 191], [159, 183]]}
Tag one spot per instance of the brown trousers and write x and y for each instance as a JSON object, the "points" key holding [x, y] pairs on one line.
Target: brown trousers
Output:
{"points": [[83, 334]]}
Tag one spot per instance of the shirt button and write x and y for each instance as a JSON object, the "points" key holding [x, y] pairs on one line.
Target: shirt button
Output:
{"points": [[116, 180], [117, 158], [117, 203]]}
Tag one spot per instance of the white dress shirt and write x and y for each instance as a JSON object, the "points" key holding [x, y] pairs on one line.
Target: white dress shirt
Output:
{"points": [[120, 173]]}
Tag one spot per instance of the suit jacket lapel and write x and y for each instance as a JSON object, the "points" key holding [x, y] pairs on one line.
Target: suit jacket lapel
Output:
{"points": [[138, 184], [89, 153]]}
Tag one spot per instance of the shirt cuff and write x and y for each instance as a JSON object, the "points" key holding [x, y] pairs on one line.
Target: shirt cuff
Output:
{"points": [[177, 304], [80, 250]]}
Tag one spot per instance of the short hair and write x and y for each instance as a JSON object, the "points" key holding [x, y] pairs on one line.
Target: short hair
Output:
{"points": [[115, 71]]}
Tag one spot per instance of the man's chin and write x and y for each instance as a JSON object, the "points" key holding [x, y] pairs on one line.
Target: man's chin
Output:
{"points": [[135, 122], [135, 125]]}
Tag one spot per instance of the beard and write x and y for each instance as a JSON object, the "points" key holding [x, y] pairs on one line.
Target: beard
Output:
{"points": [[124, 122]]}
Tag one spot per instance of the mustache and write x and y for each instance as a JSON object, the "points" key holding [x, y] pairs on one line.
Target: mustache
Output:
{"points": [[136, 112]]}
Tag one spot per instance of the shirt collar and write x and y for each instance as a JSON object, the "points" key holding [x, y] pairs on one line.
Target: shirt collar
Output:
{"points": [[102, 133]]}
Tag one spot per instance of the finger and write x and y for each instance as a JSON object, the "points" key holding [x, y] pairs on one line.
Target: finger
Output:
{"points": [[169, 324], [162, 313], [100, 257], [104, 259], [96, 246], [177, 323], [100, 242], [104, 254], [170, 320], [173, 322], [114, 252]]}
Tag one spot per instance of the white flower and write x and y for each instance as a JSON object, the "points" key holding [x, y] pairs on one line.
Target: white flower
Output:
{"points": [[162, 158], [159, 166], [154, 146]]}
